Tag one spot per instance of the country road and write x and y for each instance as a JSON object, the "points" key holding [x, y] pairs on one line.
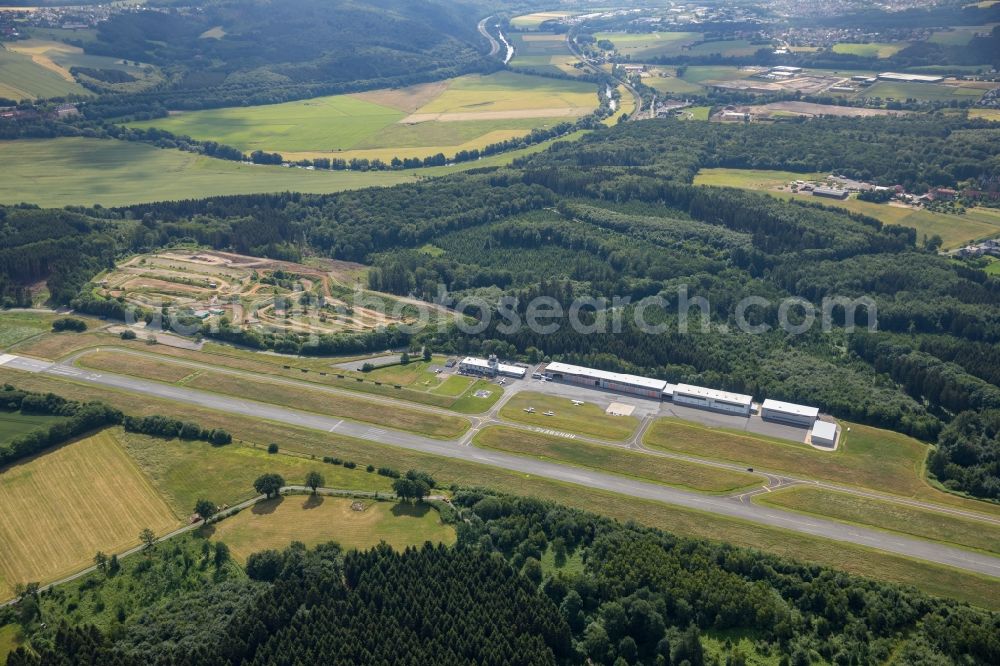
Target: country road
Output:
{"points": [[494, 44], [731, 507]]}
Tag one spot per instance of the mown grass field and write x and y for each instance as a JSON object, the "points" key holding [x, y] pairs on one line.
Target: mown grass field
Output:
{"points": [[887, 516], [184, 471], [586, 419], [703, 478], [866, 457], [313, 520], [15, 424], [871, 49], [941, 581], [62, 506], [23, 78], [986, 114], [955, 230], [651, 44], [72, 171], [467, 112], [10, 639]]}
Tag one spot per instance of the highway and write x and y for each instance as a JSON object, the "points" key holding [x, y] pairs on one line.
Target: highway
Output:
{"points": [[731, 507]]}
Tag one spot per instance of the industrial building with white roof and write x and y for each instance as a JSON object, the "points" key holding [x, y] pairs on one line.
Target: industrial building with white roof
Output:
{"points": [[788, 412]]}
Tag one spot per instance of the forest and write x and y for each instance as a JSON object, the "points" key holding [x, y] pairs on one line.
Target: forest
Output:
{"points": [[505, 594], [615, 215]]}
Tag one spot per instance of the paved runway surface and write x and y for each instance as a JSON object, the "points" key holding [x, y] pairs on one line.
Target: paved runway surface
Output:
{"points": [[725, 506]]}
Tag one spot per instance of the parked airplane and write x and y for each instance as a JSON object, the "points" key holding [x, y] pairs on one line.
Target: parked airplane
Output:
{"points": [[577, 403], [549, 413], [530, 410]]}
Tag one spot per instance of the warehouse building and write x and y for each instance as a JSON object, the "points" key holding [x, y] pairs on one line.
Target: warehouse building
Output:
{"points": [[829, 193], [612, 381], [787, 412], [490, 367], [824, 433], [718, 401]]}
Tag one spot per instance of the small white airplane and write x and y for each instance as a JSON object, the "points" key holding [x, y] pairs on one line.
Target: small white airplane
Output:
{"points": [[502, 382], [530, 410], [549, 413], [577, 403]]}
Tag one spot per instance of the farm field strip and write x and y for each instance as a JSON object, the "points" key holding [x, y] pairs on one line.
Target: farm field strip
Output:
{"points": [[932, 578], [64, 505]]}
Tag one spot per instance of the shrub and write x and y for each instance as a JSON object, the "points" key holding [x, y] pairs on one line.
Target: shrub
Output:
{"points": [[272, 448], [127, 334], [69, 324]]}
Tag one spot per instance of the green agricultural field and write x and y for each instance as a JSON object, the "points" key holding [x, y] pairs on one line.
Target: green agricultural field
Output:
{"points": [[468, 112], [885, 515], [15, 424], [871, 49], [652, 44], [727, 48], [313, 520], [956, 36], [671, 84], [866, 457], [617, 460], [323, 124], [72, 171], [586, 419], [942, 581], [22, 78], [986, 114], [184, 471], [16, 326], [539, 44], [931, 92], [955, 230], [702, 73]]}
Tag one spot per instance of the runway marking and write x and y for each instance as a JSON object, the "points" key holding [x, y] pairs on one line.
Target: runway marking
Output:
{"points": [[555, 433], [6, 358], [335, 425]]}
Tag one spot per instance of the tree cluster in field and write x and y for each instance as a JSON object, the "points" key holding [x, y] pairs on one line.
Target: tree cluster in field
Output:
{"points": [[69, 324], [165, 426], [528, 582]]}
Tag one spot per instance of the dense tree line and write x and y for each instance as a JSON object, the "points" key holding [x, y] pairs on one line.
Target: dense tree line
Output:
{"points": [[967, 457], [77, 419], [634, 596]]}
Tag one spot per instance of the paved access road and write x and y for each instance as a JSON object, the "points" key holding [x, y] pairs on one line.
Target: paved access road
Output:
{"points": [[725, 506]]}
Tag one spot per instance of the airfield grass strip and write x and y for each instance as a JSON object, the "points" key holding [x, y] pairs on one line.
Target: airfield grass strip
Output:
{"points": [[657, 469]]}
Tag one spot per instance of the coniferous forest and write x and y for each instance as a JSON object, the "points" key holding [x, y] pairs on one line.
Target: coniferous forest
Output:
{"points": [[635, 596]]}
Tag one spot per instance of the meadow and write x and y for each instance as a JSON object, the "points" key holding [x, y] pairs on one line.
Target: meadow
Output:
{"points": [[887, 516], [870, 49], [20, 326], [64, 505], [942, 581], [617, 460], [464, 113], [185, 471], [313, 520], [53, 173], [955, 230], [586, 419]]}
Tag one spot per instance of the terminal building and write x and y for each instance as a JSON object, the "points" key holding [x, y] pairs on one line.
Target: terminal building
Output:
{"points": [[824, 433], [787, 412], [490, 367], [717, 401], [612, 381]]}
